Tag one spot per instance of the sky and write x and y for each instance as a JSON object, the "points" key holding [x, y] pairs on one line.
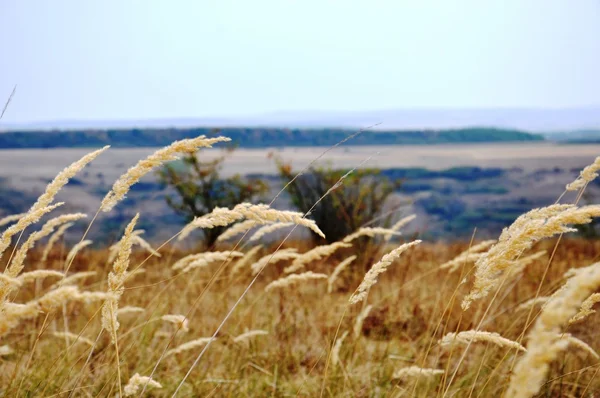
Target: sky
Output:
{"points": [[118, 59]]}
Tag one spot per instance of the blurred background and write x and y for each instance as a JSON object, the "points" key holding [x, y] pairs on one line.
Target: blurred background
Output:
{"points": [[465, 113]]}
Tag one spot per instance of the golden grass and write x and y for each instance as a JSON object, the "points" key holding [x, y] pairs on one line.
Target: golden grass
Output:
{"points": [[391, 332]]}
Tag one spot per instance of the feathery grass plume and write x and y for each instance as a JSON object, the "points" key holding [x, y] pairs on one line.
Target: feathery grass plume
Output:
{"points": [[24, 222], [75, 250], [544, 342], [43, 203], [335, 352], [57, 297], [399, 224], [267, 229], [10, 219], [143, 167], [534, 301], [520, 236], [318, 253], [5, 350], [71, 279], [211, 257], [116, 278], [203, 259], [371, 232], [523, 262], [272, 258], [415, 371], [138, 240], [586, 308], [360, 319], [10, 281], [190, 345], [470, 255], [13, 314], [586, 175], [129, 310], [18, 261], [475, 336], [293, 279], [580, 344], [53, 239], [180, 321], [337, 271], [242, 338], [260, 213], [244, 261], [236, 229], [136, 382], [73, 337], [39, 274], [380, 267]]}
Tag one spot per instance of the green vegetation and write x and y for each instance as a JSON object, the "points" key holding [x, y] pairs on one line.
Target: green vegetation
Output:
{"points": [[254, 137]]}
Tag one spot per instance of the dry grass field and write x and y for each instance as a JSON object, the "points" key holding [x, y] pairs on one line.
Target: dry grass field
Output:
{"points": [[285, 319]]}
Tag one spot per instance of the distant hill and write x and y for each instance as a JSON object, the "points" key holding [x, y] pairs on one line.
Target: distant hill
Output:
{"points": [[254, 137], [528, 119]]}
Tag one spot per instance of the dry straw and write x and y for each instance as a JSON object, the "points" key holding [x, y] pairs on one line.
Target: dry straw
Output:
{"points": [[574, 341], [318, 253], [116, 278], [143, 167], [261, 213], [337, 271], [475, 336], [544, 342], [136, 382], [294, 279], [520, 236], [371, 276]]}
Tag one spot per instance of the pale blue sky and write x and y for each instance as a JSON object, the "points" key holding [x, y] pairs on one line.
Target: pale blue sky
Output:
{"points": [[118, 59]]}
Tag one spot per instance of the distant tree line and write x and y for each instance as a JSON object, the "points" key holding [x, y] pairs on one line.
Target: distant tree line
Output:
{"points": [[254, 137]]}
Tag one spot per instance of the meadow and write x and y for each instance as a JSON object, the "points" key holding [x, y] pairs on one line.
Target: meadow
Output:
{"points": [[512, 316]]}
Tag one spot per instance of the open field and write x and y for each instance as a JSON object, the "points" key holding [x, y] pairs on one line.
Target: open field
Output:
{"points": [[377, 312], [16, 164]]}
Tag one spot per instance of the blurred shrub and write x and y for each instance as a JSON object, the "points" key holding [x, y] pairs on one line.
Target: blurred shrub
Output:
{"points": [[199, 189]]}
